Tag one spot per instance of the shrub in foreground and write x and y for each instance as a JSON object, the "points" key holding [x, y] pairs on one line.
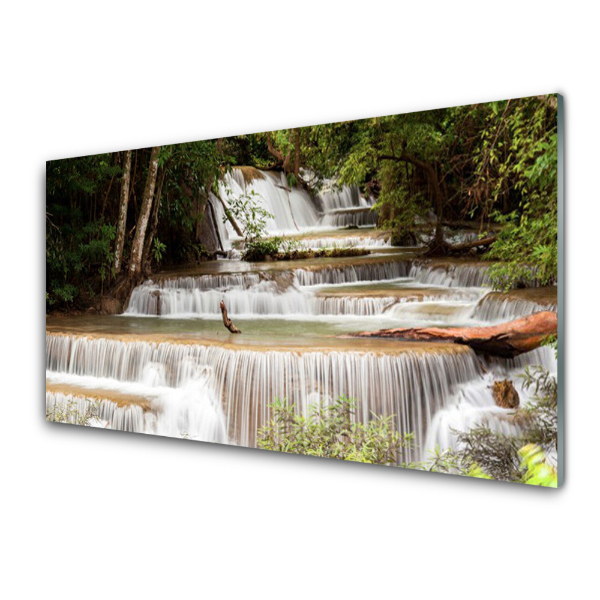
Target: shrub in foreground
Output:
{"points": [[332, 432]]}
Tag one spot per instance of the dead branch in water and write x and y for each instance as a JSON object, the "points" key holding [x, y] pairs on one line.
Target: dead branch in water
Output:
{"points": [[226, 320]]}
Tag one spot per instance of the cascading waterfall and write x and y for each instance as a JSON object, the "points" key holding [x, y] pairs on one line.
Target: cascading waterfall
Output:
{"points": [[346, 207], [296, 293], [367, 242], [451, 275], [473, 405], [342, 198], [207, 282], [253, 294], [218, 394], [110, 414], [261, 300], [493, 309], [224, 228], [367, 272], [413, 386], [350, 217], [177, 386], [293, 209]]}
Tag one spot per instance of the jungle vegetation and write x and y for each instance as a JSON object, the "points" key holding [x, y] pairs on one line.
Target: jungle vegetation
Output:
{"points": [[113, 218]]}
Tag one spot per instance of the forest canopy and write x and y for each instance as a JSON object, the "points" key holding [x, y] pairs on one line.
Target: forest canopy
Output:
{"points": [[113, 218]]}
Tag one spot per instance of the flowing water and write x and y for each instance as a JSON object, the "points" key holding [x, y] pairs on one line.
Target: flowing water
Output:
{"points": [[167, 366]]}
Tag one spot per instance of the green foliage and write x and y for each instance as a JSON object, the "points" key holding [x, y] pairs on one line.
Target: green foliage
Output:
{"points": [[527, 249], [73, 252], [332, 431], [535, 467], [158, 250], [494, 161], [252, 217], [79, 239], [257, 250], [82, 204], [527, 168], [491, 161], [192, 171], [246, 209]]}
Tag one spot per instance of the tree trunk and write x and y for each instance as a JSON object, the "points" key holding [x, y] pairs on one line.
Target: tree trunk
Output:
{"points": [[213, 219], [120, 242], [135, 266], [276, 153], [231, 218], [439, 203], [154, 222], [506, 339], [284, 160], [434, 183], [201, 213]]}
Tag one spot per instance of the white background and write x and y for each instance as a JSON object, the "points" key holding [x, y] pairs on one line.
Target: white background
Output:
{"points": [[95, 514]]}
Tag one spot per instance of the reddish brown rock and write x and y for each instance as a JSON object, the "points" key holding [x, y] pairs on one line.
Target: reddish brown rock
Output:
{"points": [[506, 339]]}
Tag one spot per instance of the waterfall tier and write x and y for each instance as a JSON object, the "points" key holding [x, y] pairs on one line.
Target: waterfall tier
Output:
{"points": [[410, 385], [191, 412], [293, 210], [492, 309], [353, 241]]}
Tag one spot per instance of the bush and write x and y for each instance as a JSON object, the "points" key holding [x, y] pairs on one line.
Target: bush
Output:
{"points": [[331, 431], [257, 250], [68, 412], [524, 458]]}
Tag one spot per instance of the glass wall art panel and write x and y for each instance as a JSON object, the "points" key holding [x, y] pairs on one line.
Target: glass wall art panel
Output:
{"points": [[385, 290]]}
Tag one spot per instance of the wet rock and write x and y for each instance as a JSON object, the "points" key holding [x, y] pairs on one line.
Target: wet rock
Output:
{"points": [[505, 394], [284, 280], [110, 306], [405, 239]]}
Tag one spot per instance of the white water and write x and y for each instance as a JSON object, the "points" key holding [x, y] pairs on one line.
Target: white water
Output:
{"points": [[261, 300], [452, 275], [184, 405], [110, 415], [462, 297], [294, 210], [251, 295], [217, 394], [343, 198], [474, 405], [492, 310], [428, 392], [412, 386], [354, 241], [353, 217], [367, 272]]}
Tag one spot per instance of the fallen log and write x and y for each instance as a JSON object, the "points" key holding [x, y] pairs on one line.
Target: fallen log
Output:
{"points": [[483, 242], [446, 249], [506, 339], [226, 320]]}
